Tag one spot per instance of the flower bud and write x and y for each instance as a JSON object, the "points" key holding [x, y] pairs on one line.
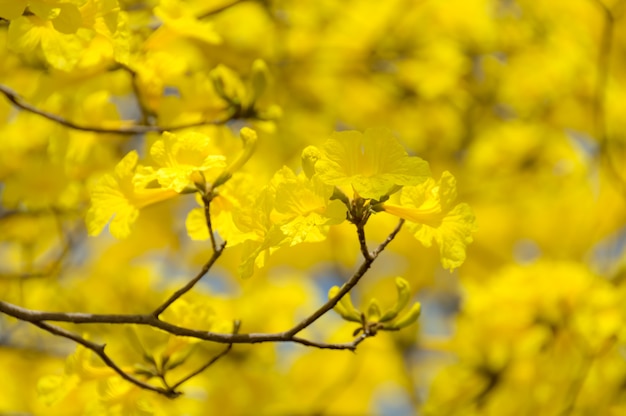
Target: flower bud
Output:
{"points": [[404, 295], [373, 311], [344, 307], [310, 155], [407, 319]]}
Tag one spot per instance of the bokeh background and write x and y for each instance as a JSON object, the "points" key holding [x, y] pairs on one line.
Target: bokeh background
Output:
{"points": [[522, 101]]}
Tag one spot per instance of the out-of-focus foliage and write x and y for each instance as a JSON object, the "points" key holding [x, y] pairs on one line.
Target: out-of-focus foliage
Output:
{"points": [[517, 106]]}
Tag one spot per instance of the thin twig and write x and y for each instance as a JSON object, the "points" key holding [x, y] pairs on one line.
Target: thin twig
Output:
{"points": [[599, 104], [53, 266], [360, 230], [206, 199], [351, 346], [7, 214], [34, 316], [220, 9], [30, 315], [388, 240], [236, 326], [38, 318], [180, 292], [98, 349], [19, 102], [146, 113], [367, 262], [602, 72], [217, 252]]}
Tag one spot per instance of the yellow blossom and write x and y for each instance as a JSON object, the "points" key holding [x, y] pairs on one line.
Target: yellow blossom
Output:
{"points": [[117, 199], [303, 207], [372, 164], [178, 158], [431, 216]]}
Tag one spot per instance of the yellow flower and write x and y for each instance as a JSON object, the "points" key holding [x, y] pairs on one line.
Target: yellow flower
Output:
{"points": [[263, 237], [179, 158], [179, 19], [372, 164], [431, 216], [249, 139], [69, 36], [12, 9], [233, 197], [303, 207], [78, 369], [115, 196]]}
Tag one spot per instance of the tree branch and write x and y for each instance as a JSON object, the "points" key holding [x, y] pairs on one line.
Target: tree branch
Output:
{"points": [[360, 230], [39, 318], [367, 262], [389, 239], [35, 316], [53, 266], [599, 101], [146, 113], [180, 292], [206, 200], [217, 252], [19, 102], [48, 270], [220, 9], [30, 315], [98, 349], [602, 71], [212, 361]]}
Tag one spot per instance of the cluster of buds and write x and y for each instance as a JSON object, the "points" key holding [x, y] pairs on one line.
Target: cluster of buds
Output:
{"points": [[374, 320]]}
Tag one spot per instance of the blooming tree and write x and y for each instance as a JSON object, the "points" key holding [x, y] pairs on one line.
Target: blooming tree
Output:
{"points": [[206, 206]]}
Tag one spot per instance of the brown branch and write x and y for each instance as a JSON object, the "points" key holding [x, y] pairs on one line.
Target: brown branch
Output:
{"points": [[98, 349], [356, 277], [146, 113], [30, 315], [388, 240], [19, 102], [220, 9], [7, 214], [325, 346], [54, 265], [236, 326], [180, 292], [206, 200], [602, 72], [217, 252], [35, 316], [48, 270], [360, 230], [599, 102], [39, 318]]}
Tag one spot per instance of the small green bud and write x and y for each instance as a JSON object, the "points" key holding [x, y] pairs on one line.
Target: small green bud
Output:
{"points": [[249, 139], [344, 307], [404, 295], [227, 84], [409, 318], [373, 311], [259, 79]]}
